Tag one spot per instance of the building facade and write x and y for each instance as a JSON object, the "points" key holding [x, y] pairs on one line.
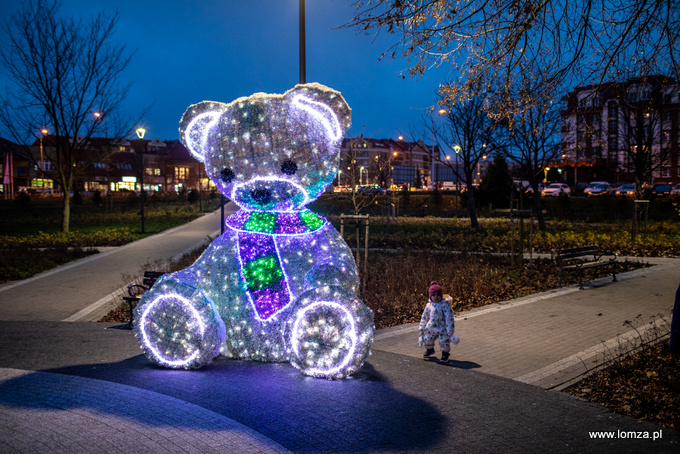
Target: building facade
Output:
{"points": [[613, 131], [385, 162], [109, 165]]}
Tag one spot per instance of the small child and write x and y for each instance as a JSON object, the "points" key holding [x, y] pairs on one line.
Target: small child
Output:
{"points": [[437, 322]]}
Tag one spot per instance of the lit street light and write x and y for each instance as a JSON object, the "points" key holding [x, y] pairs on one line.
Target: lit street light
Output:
{"points": [[479, 178], [140, 133], [43, 133]]}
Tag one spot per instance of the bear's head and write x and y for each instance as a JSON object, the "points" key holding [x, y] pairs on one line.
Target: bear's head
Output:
{"points": [[270, 152]]}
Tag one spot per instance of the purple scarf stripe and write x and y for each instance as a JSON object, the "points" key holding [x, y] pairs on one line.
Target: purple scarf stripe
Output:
{"points": [[268, 301]]}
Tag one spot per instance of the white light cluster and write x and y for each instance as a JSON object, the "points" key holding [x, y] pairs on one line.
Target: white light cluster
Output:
{"points": [[330, 334], [179, 330], [280, 283]]}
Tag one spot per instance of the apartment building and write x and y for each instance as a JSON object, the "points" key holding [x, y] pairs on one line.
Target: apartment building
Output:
{"points": [[385, 162], [115, 165], [612, 129]]}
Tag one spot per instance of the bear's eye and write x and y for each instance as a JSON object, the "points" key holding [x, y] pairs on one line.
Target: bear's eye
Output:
{"points": [[227, 175], [288, 168]]}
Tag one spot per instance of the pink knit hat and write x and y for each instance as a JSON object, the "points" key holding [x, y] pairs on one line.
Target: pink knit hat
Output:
{"points": [[434, 288]]}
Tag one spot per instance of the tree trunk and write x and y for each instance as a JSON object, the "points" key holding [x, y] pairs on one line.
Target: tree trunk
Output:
{"points": [[538, 210], [472, 209], [66, 211]]}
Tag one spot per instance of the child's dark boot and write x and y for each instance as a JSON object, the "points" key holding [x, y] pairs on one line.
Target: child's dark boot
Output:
{"points": [[445, 357], [429, 352]]}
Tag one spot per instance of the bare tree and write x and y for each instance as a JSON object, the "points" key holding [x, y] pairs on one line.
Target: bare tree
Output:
{"points": [[589, 40], [532, 136], [62, 71], [469, 127], [644, 133], [353, 175]]}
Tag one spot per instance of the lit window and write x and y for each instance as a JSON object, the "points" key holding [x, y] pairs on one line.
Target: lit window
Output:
{"points": [[181, 173]]}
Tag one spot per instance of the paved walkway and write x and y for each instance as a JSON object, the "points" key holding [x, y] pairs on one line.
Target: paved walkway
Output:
{"points": [[551, 339], [88, 289], [74, 386]]}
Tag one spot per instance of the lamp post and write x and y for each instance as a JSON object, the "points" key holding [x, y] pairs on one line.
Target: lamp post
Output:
{"points": [[407, 158], [361, 171], [303, 60], [99, 117], [140, 133], [43, 133], [456, 149], [479, 178]]}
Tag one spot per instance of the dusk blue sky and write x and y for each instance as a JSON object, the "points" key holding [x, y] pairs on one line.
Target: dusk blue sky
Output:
{"points": [[219, 50]]}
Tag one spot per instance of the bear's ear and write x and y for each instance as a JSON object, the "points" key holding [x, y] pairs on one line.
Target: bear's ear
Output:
{"points": [[325, 105], [196, 125]]}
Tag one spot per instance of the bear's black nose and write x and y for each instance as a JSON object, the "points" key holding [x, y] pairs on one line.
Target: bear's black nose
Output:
{"points": [[261, 196]]}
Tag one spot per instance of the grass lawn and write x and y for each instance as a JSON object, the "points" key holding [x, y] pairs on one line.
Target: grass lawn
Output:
{"points": [[31, 240]]}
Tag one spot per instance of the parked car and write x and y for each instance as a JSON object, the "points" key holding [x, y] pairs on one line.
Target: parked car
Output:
{"points": [[675, 192], [616, 186], [370, 190], [625, 190], [556, 189], [579, 188], [662, 190], [451, 186], [596, 188]]}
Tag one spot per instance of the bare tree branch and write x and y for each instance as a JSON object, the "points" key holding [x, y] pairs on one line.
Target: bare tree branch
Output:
{"points": [[62, 71], [585, 41]]}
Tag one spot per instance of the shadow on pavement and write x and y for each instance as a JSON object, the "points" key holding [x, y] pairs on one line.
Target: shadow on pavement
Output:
{"points": [[455, 363], [363, 413]]}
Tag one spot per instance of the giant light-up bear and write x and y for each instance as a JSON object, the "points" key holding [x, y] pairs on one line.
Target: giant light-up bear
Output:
{"points": [[280, 284]]}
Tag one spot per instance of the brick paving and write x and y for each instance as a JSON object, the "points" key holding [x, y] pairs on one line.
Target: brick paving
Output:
{"points": [[529, 338], [48, 412], [75, 386]]}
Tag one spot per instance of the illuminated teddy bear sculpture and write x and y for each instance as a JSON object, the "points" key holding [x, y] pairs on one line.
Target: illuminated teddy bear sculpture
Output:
{"points": [[280, 284]]}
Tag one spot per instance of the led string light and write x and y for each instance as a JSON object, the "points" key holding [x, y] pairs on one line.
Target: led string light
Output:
{"points": [[280, 283], [174, 348]]}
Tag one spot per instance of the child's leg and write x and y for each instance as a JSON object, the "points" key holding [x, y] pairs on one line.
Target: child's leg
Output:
{"points": [[445, 344], [428, 341]]}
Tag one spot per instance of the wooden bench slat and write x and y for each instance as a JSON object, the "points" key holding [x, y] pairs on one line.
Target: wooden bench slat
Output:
{"points": [[584, 257]]}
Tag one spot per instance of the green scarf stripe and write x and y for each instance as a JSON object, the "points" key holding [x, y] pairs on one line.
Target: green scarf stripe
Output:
{"points": [[311, 220], [262, 272], [261, 222]]}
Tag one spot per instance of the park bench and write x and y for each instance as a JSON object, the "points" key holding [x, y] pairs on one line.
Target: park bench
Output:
{"points": [[135, 291], [583, 258]]}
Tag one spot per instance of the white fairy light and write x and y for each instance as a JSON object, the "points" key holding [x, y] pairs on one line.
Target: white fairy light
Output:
{"points": [[280, 283]]}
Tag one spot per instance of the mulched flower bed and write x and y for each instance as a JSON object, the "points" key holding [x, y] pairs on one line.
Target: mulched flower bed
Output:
{"points": [[644, 386], [397, 283]]}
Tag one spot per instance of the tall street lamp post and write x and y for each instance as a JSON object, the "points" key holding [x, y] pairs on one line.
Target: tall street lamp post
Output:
{"points": [[456, 149], [479, 178], [140, 133], [303, 60], [43, 133]]}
